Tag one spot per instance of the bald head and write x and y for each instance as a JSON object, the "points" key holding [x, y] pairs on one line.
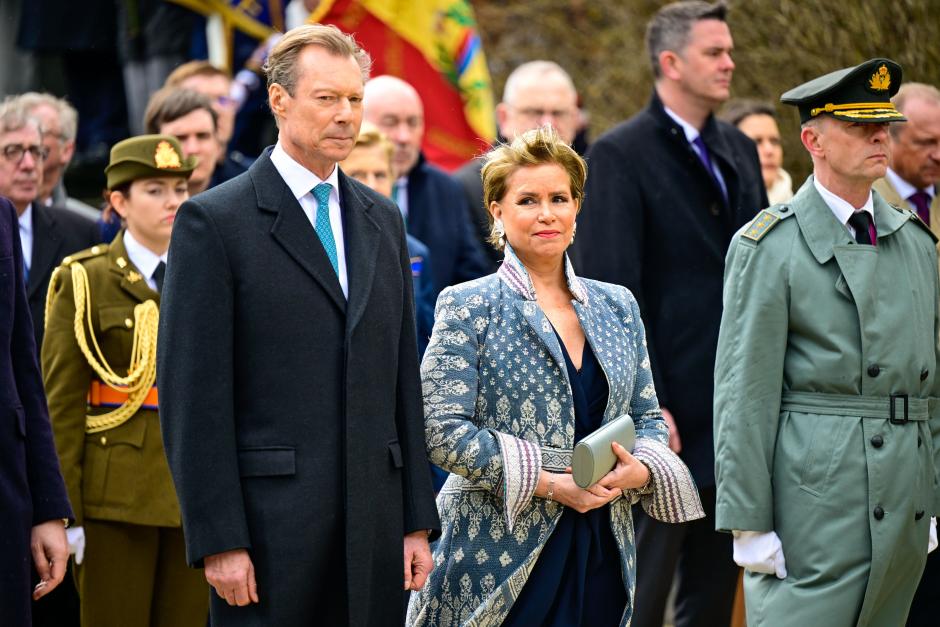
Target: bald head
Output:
{"points": [[396, 109], [538, 93]]}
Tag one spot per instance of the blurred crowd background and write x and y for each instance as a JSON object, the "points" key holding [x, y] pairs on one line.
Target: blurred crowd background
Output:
{"points": [[78, 50]]}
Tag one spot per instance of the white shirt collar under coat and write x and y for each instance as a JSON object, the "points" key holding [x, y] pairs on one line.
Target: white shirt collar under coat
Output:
{"points": [[299, 179], [905, 189], [842, 208], [144, 259], [691, 133], [26, 235]]}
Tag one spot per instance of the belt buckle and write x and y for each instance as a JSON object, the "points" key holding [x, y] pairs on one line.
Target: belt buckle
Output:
{"points": [[891, 409]]}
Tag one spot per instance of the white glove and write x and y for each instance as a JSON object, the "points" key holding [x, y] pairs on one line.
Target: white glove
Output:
{"points": [[760, 552], [76, 537], [932, 542]]}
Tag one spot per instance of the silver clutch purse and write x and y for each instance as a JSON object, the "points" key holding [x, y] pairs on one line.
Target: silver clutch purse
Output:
{"points": [[593, 457]]}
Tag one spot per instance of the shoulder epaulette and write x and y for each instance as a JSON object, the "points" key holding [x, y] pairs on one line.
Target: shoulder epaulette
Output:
{"points": [[912, 215], [765, 221], [88, 253]]}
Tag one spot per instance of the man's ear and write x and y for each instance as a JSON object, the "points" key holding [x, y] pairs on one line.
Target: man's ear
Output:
{"points": [[669, 65], [279, 99], [810, 135], [68, 151]]}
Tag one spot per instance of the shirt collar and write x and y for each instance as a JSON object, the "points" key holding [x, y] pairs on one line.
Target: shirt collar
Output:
{"points": [[904, 189], [299, 179], [691, 133], [142, 257], [842, 208], [26, 220]]}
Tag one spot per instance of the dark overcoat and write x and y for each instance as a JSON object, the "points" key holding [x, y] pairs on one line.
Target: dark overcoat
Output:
{"points": [[31, 486], [655, 221], [292, 417], [57, 232]]}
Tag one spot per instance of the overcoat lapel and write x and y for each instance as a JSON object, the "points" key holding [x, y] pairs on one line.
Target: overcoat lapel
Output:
{"points": [[46, 247], [361, 237], [292, 230]]}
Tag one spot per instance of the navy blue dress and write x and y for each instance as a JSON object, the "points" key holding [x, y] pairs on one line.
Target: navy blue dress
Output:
{"points": [[577, 578]]}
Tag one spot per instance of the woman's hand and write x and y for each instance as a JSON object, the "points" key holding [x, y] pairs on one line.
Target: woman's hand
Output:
{"points": [[629, 472], [567, 492]]}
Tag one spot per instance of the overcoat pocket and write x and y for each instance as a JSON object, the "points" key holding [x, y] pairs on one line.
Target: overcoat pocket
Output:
{"points": [[266, 461]]}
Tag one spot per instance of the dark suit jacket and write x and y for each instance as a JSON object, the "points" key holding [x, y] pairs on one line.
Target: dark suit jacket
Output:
{"points": [[438, 215], [292, 418], [468, 175], [31, 487], [57, 233], [655, 220]]}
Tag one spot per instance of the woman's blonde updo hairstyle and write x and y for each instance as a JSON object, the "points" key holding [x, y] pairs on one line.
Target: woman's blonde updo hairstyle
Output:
{"points": [[539, 146]]}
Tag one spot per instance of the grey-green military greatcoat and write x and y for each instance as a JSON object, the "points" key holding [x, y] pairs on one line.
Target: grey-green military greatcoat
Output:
{"points": [[818, 333]]}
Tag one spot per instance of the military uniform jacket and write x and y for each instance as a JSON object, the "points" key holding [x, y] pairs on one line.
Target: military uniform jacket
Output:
{"points": [[498, 408], [120, 474], [818, 332]]}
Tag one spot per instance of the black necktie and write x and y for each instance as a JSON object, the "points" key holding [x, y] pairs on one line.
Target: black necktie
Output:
{"points": [[158, 275], [861, 222]]}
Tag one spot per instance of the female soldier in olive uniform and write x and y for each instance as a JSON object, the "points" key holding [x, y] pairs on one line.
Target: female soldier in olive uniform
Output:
{"points": [[98, 361]]}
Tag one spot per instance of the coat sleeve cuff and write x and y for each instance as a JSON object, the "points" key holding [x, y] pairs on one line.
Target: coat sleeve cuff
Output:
{"points": [[674, 497], [522, 464]]}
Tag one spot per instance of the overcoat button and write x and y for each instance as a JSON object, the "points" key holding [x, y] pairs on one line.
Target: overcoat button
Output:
{"points": [[104, 440], [784, 209], [873, 370], [924, 374], [877, 441], [879, 513], [919, 515]]}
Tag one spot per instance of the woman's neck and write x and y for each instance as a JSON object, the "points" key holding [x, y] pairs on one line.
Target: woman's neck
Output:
{"points": [[157, 246], [547, 276]]}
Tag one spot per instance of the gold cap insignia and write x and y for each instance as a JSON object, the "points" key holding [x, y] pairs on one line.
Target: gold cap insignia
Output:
{"points": [[166, 157], [880, 80], [133, 277]]}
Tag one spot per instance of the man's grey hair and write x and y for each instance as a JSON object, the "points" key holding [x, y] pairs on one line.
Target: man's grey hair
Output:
{"points": [[534, 70], [68, 116], [15, 116], [670, 27], [913, 91]]}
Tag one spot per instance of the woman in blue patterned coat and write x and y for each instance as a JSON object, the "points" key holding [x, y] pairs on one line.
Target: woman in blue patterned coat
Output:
{"points": [[521, 365]]}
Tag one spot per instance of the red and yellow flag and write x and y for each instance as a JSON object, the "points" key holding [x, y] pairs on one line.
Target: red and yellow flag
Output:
{"points": [[434, 46]]}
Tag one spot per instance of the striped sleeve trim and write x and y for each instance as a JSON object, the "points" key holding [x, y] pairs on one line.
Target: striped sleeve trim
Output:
{"points": [[522, 463], [674, 497]]}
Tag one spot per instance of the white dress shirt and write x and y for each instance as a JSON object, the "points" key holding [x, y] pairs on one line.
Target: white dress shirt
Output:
{"points": [[301, 182], [841, 208], [691, 134], [905, 189], [144, 259], [26, 236], [401, 196]]}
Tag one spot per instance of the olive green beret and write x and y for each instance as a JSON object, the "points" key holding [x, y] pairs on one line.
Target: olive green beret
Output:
{"points": [[147, 156], [854, 94]]}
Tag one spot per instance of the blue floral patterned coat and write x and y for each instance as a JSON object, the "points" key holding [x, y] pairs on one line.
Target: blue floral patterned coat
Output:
{"points": [[498, 409]]}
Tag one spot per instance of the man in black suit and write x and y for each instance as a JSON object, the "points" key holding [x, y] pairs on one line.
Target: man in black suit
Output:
{"points": [[667, 190], [34, 508], [47, 233], [290, 398], [433, 204]]}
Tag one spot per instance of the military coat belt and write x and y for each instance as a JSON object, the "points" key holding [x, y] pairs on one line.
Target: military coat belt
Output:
{"points": [[826, 425]]}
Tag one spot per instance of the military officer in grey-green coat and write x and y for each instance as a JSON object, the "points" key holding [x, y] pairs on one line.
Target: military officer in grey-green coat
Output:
{"points": [[99, 372], [825, 376]]}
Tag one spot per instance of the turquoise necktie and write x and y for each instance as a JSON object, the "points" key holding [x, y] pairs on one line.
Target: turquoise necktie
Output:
{"points": [[322, 193]]}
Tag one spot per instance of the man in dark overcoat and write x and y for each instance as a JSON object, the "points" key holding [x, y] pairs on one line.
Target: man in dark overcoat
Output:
{"points": [[667, 190], [34, 508], [290, 399]]}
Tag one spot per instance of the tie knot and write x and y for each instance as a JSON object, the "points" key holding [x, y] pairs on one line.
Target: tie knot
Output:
{"points": [[322, 193], [860, 220]]}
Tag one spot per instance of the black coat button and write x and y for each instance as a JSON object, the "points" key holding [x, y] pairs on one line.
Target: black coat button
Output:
{"points": [[924, 374], [878, 513], [873, 370], [784, 209], [919, 515], [877, 441]]}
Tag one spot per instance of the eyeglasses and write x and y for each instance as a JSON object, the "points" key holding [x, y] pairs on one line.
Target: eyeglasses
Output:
{"points": [[538, 114], [16, 152]]}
